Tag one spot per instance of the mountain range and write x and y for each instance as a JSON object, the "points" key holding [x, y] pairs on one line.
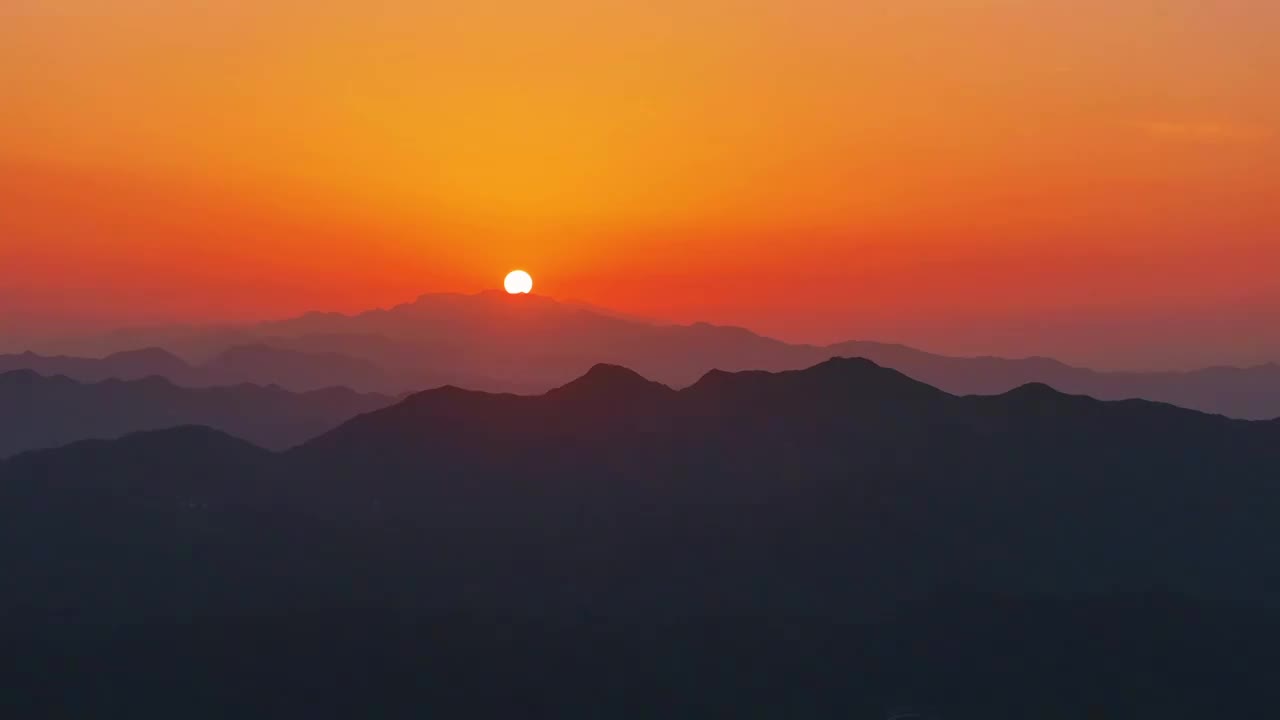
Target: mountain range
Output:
{"points": [[806, 491], [529, 344], [840, 539]]}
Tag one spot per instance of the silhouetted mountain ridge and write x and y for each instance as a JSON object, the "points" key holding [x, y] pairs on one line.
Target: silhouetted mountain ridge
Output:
{"points": [[527, 344], [840, 491]]}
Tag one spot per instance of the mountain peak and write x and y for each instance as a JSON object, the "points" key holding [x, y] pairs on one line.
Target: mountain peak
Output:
{"points": [[1034, 389], [1040, 395], [611, 369], [607, 381], [868, 377], [842, 364]]}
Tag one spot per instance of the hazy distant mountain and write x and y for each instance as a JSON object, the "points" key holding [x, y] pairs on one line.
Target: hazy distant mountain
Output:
{"points": [[529, 343], [41, 412], [299, 364], [294, 369], [126, 365], [257, 364], [1249, 393]]}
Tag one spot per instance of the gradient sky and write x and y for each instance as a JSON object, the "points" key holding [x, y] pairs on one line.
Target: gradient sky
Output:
{"points": [[1094, 180]]}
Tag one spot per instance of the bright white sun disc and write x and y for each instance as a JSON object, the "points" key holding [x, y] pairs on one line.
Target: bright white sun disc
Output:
{"points": [[517, 282]]}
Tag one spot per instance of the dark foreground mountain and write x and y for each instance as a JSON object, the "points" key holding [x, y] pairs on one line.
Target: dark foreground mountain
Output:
{"points": [[960, 657], [501, 343], [841, 539], [42, 412]]}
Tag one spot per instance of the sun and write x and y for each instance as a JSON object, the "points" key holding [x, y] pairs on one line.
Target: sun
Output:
{"points": [[518, 282]]}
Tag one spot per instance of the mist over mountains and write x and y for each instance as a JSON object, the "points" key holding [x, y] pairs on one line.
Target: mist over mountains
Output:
{"points": [[529, 344]]}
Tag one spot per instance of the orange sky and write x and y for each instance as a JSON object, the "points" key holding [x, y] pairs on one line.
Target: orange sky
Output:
{"points": [[1095, 180]]}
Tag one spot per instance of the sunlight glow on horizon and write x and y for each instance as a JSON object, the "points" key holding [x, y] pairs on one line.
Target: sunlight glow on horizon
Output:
{"points": [[968, 175]]}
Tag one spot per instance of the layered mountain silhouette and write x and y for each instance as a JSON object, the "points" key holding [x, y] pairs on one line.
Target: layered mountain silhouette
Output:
{"points": [[530, 343], [841, 539], [841, 490], [43, 412]]}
